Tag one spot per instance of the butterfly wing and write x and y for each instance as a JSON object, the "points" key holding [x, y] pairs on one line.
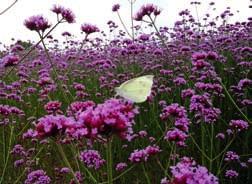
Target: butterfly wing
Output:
{"points": [[137, 89]]}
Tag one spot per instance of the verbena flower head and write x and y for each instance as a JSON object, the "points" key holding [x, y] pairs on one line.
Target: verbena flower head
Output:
{"points": [[51, 125], [37, 23], [187, 171], [92, 159], [115, 7], [66, 14], [38, 177], [148, 10], [121, 166], [238, 125], [231, 174], [113, 116], [89, 28]]}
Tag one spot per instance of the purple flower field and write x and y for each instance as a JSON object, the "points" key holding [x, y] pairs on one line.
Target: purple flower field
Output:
{"points": [[61, 121]]}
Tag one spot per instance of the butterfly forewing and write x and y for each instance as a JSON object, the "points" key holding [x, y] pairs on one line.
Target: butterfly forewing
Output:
{"points": [[137, 89]]}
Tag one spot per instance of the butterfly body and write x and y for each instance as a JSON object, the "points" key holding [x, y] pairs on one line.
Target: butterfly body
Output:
{"points": [[137, 89]]}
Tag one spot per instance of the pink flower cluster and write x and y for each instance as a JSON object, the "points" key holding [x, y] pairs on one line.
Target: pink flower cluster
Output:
{"points": [[179, 133], [187, 171], [112, 117], [147, 9], [92, 159], [143, 154]]}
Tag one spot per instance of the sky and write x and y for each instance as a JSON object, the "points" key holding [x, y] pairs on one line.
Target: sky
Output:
{"points": [[98, 12]]}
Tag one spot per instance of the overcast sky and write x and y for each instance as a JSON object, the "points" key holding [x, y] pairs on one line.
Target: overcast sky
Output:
{"points": [[99, 12]]}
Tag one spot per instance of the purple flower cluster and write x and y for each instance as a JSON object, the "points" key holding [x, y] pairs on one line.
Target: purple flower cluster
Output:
{"points": [[187, 171], [65, 13], [38, 177], [231, 156], [50, 125], [92, 159], [238, 125], [52, 107], [6, 110], [180, 132], [113, 116], [37, 23], [89, 28], [147, 10], [9, 60], [201, 105], [115, 7], [144, 154]]}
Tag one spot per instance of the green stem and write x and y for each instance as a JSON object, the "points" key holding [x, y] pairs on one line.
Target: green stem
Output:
{"points": [[146, 174], [109, 162], [132, 19], [233, 102], [8, 154], [211, 147], [125, 28], [201, 151], [66, 161]]}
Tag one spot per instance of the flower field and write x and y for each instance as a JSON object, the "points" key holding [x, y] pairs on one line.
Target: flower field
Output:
{"points": [[62, 122]]}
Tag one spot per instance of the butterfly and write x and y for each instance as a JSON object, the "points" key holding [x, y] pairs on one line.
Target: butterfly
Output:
{"points": [[137, 89]]}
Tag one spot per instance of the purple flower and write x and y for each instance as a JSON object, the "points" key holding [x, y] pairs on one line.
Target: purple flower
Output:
{"points": [[9, 60], [231, 174], [92, 159], [121, 166], [89, 28], [147, 9], [173, 110], [37, 23], [187, 171], [38, 177], [231, 156], [115, 7], [65, 13], [176, 135], [138, 156], [52, 106], [239, 125]]}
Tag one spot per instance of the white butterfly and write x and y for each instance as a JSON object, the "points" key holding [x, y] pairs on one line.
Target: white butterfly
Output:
{"points": [[136, 89]]}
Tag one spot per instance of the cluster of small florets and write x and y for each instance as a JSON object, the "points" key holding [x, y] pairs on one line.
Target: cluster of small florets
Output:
{"points": [[201, 105], [181, 122], [238, 125], [92, 159], [52, 107], [65, 13], [37, 23], [50, 125], [187, 171], [144, 154], [147, 10], [112, 117], [6, 110], [9, 60], [115, 7], [38, 176], [89, 28]]}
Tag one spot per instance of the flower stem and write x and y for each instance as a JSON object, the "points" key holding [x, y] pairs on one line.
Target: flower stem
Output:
{"points": [[146, 174], [109, 162], [8, 154], [67, 162], [32, 48]]}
